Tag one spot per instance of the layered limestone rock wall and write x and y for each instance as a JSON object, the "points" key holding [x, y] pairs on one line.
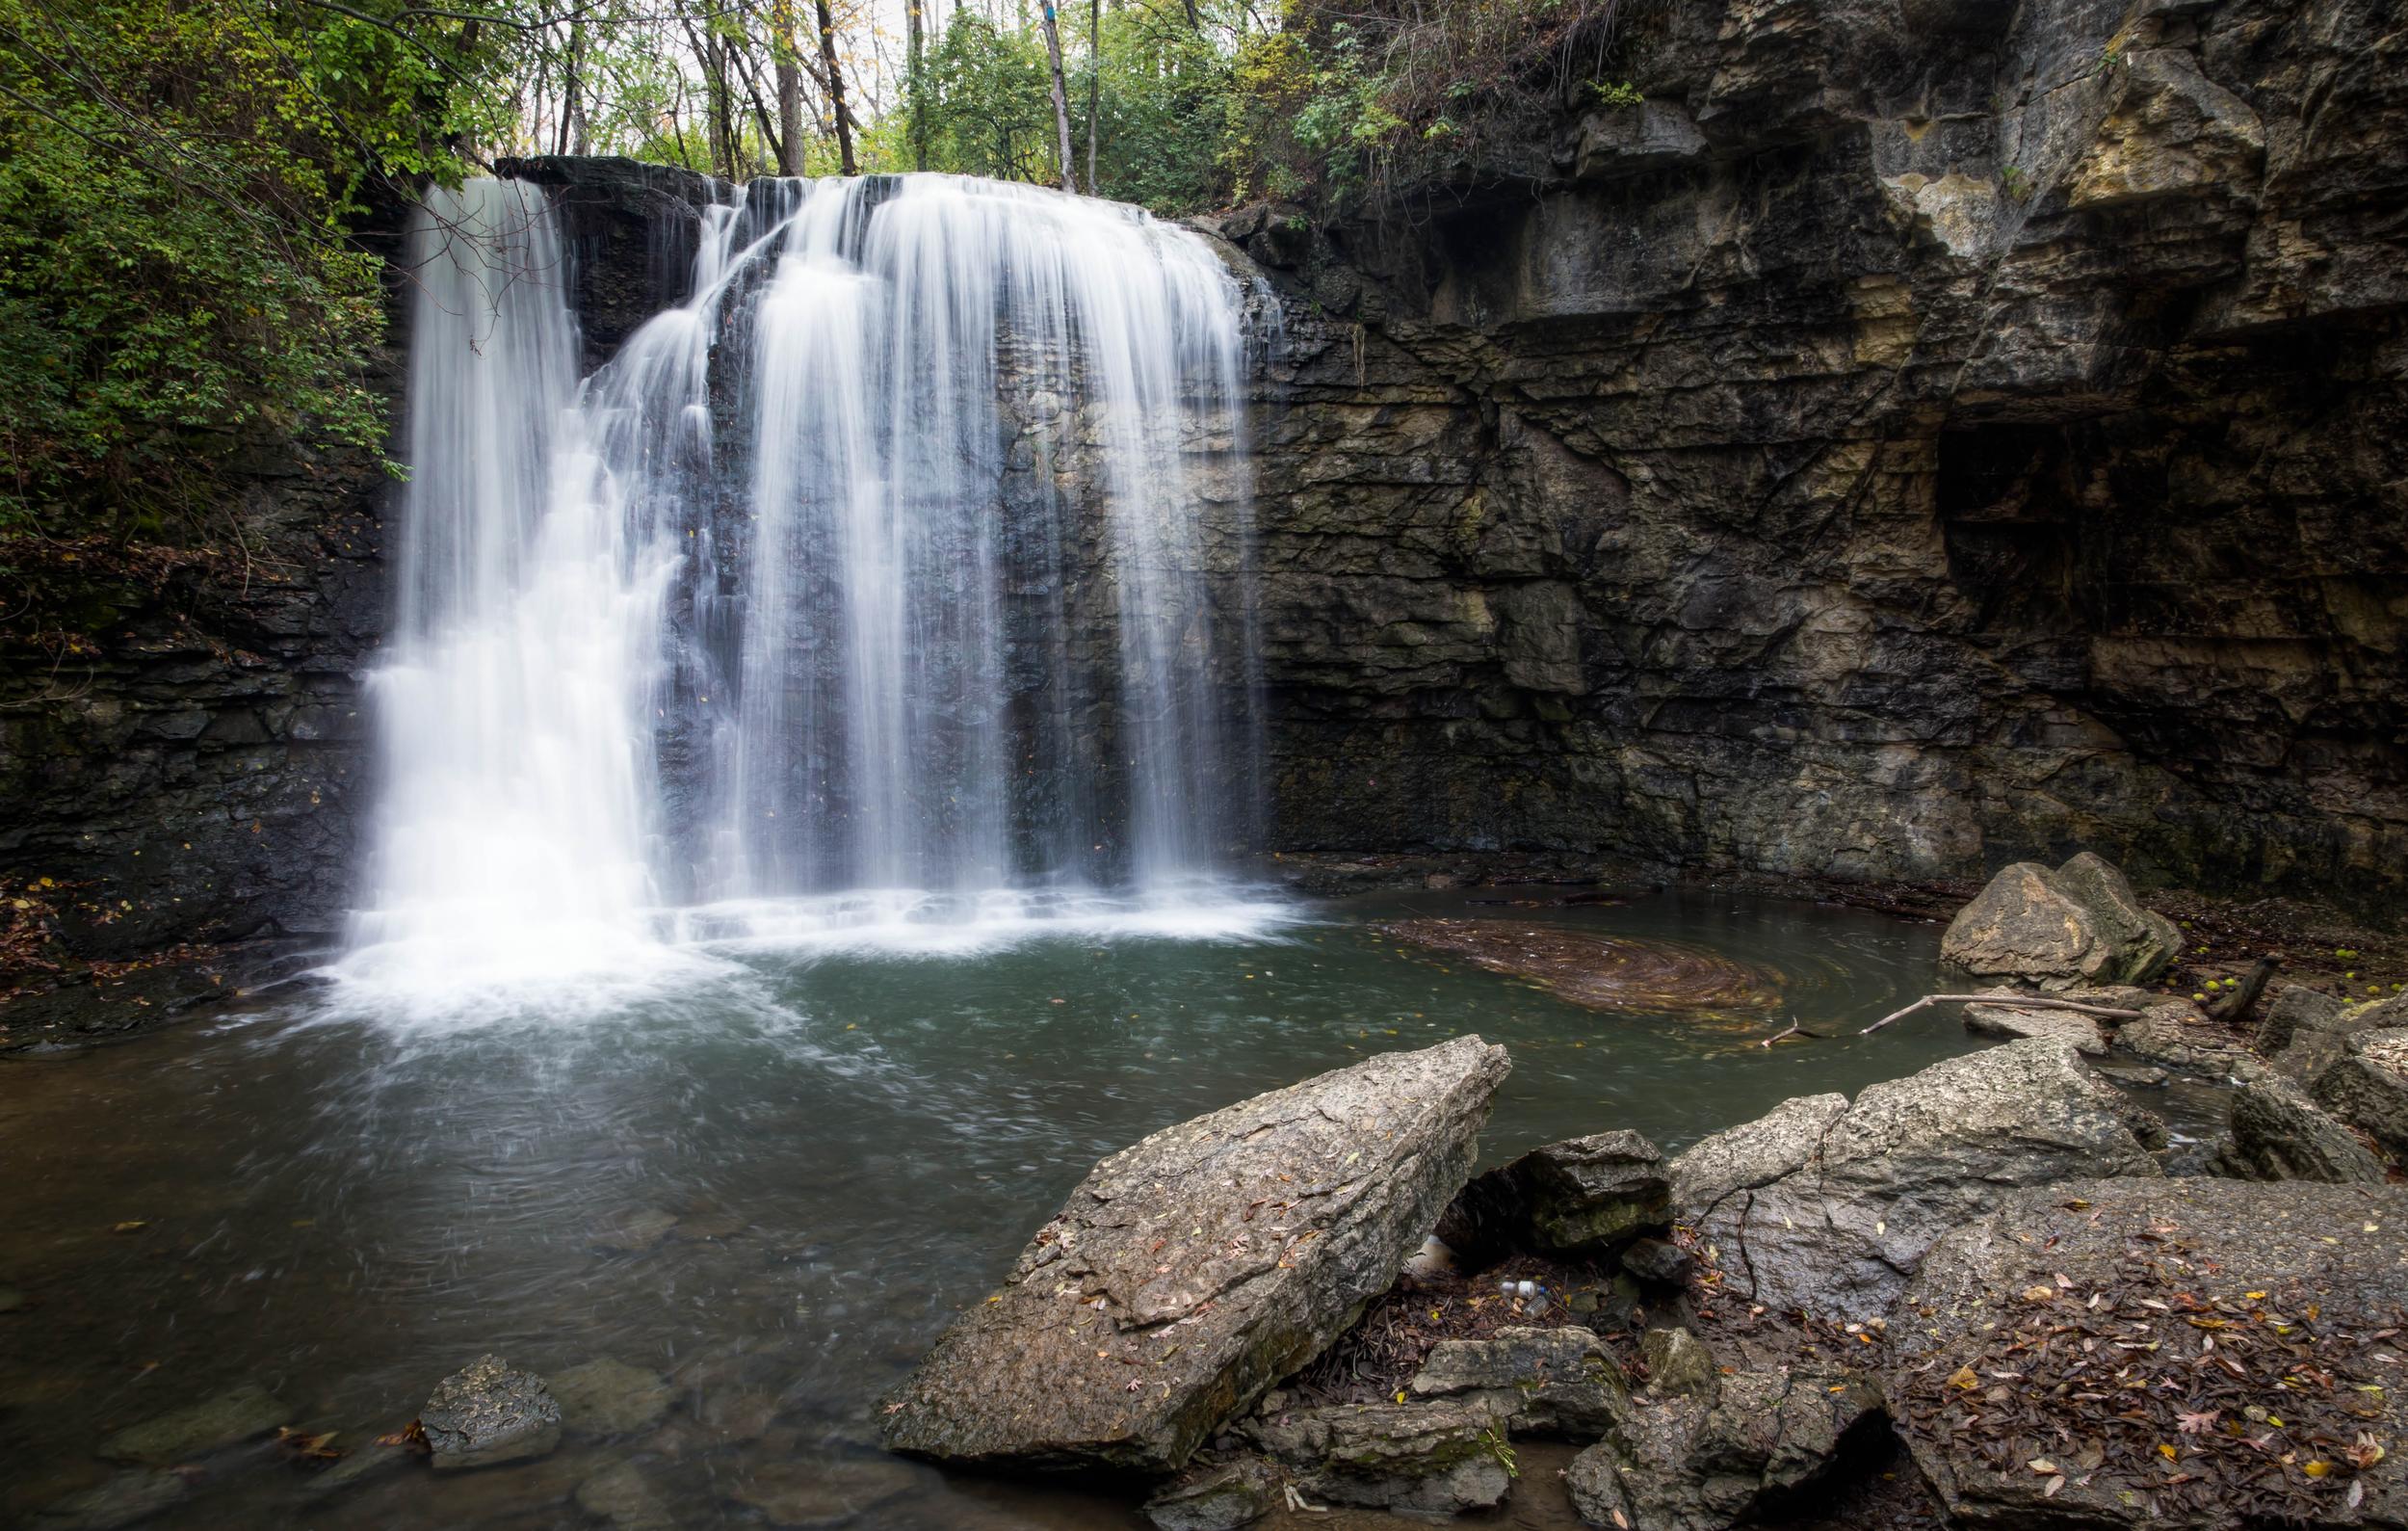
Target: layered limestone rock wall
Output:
{"points": [[1920, 436], [1923, 434]]}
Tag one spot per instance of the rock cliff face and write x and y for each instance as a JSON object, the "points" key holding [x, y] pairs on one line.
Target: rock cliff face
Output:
{"points": [[1923, 435], [1919, 436]]}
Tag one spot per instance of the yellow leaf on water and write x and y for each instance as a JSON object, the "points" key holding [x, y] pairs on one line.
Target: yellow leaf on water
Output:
{"points": [[130, 1225]]}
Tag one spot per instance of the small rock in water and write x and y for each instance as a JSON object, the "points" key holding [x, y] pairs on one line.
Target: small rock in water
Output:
{"points": [[810, 1496], [358, 1465], [636, 1232], [487, 1412], [226, 1421], [125, 1498], [742, 1414], [12, 1300], [626, 1498], [611, 1398]]}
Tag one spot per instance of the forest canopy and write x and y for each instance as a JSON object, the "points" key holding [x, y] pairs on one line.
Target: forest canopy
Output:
{"points": [[185, 184]]}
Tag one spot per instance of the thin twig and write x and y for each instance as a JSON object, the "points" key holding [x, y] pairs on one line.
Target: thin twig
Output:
{"points": [[2010, 1001]]}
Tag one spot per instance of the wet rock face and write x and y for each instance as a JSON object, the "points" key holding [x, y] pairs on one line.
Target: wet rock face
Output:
{"points": [[487, 1412], [1189, 1273], [1826, 1206], [1893, 449], [2157, 1266]]}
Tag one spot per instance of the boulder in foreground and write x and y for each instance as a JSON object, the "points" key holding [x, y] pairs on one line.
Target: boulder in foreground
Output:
{"points": [[1189, 1273], [2052, 1363], [489, 1412], [2078, 924], [1827, 1206]]}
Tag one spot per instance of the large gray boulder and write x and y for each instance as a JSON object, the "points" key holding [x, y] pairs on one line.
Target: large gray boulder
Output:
{"points": [[1189, 1273], [2278, 1133], [2049, 1364], [2078, 924], [2369, 1087], [1827, 1206]]}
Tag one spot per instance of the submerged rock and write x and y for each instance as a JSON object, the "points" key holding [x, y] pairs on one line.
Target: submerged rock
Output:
{"points": [[815, 1495], [1604, 973], [121, 1499], [1826, 1206], [1583, 1198], [611, 1398], [228, 1419], [1189, 1273], [1439, 1456], [2278, 1133], [2078, 924], [625, 1497], [2160, 1268], [487, 1413], [1658, 1263], [1219, 1499]]}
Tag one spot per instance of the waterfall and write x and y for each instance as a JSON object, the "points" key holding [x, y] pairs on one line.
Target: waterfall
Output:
{"points": [[873, 581]]}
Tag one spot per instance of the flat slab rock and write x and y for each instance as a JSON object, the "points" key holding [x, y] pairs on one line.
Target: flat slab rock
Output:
{"points": [[2300, 1287], [1189, 1273], [1826, 1206]]}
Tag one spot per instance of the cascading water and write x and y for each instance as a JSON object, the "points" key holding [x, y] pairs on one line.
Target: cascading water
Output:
{"points": [[905, 527]]}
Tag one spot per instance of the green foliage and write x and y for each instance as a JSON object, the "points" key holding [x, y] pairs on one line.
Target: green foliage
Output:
{"points": [[1618, 95], [177, 178]]}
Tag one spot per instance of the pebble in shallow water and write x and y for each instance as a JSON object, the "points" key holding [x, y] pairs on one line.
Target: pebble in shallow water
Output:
{"points": [[611, 1398], [227, 1420]]}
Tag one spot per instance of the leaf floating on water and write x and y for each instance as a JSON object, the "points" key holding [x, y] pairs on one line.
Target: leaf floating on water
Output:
{"points": [[131, 1226]]}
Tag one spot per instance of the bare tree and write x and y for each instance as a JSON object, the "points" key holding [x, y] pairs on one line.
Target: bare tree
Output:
{"points": [[916, 86], [789, 88], [1095, 82], [836, 89], [1061, 95]]}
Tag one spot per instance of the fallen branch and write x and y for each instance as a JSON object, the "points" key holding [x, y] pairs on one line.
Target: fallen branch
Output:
{"points": [[1792, 1029], [2008, 1001]]}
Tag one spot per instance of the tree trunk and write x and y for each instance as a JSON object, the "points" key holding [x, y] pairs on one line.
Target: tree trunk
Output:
{"points": [[783, 50], [914, 82], [1095, 82], [1195, 24], [836, 90], [721, 110], [1062, 97]]}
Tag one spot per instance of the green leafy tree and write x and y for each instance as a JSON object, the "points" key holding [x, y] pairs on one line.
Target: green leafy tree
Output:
{"points": [[180, 181]]}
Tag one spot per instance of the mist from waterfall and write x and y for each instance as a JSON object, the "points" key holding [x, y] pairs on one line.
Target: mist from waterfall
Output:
{"points": [[865, 595]]}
